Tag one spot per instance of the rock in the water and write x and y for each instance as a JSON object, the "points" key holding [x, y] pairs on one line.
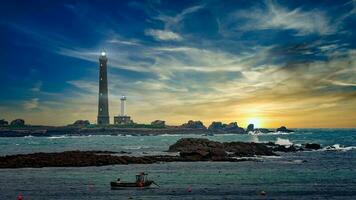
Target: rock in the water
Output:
{"points": [[312, 146], [193, 124], [234, 128], [262, 130], [227, 128], [216, 126], [250, 127], [217, 150], [242, 149], [284, 129], [158, 123], [191, 144], [17, 122], [81, 123], [3, 122]]}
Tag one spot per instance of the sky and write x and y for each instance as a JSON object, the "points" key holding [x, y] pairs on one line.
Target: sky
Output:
{"points": [[266, 62]]}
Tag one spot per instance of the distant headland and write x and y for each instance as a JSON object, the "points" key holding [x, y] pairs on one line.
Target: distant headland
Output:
{"points": [[18, 128]]}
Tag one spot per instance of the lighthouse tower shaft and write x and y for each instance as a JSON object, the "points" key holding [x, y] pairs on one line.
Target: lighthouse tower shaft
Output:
{"points": [[103, 105]]}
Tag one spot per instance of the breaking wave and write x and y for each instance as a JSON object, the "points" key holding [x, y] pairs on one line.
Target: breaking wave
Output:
{"points": [[338, 147], [135, 147], [270, 133], [284, 142]]}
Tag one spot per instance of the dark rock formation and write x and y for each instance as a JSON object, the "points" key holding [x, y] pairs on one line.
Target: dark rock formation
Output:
{"points": [[284, 129], [234, 128], [249, 128], [81, 123], [242, 149], [191, 149], [3, 122], [262, 130], [312, 146], [159, 123], [69, 159], [226, 128], [197, 145], [216, 126], [17, 122], [193, 124]]}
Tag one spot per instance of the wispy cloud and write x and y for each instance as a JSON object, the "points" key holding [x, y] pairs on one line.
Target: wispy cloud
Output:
{"points": [[163, 35], [31, 104], [275, 16]]}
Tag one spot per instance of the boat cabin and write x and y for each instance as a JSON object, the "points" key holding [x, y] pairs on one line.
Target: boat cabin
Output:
{"points": [[141, 178]]}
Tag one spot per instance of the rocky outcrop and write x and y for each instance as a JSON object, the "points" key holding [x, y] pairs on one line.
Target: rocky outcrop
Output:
{"points": [[249, 128], [312, 146], [159, 123], [195, 146], [226, 128], [216, 126], [284, 129], [190, 149], [193, 124], [69, 159], [3, 122], [17, 122], [262, 130], [81, 123]]}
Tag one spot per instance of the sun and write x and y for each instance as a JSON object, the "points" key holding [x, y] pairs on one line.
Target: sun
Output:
{"points": [[255, 121]]}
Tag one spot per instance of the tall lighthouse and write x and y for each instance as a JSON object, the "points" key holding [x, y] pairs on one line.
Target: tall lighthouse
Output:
{"points": [[103, 105]]}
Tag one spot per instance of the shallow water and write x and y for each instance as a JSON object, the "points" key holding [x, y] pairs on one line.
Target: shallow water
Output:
{"points": [[304, 175]]}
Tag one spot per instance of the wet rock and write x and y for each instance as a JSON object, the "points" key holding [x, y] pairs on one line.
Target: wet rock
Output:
{"points": [[282, 148], [249, 128], [312, 146], [284, 130], [262, 130], [243, 149], [191, 145]]}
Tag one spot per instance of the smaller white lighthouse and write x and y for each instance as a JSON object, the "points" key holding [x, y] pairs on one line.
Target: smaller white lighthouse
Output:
{"points": [[122, 118], [123, 100]]}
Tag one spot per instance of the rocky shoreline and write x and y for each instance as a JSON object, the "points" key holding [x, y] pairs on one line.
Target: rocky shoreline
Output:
{"points": [[18, 128], [190, 150]]}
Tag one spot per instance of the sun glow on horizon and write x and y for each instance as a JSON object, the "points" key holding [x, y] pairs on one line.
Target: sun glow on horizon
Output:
{"points": [[257, 122]]}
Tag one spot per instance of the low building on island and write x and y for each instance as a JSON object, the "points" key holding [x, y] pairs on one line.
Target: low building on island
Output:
{"points": [[122, 118]]}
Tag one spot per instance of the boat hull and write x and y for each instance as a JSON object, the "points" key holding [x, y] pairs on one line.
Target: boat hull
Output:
{"points": [[123, 185]]}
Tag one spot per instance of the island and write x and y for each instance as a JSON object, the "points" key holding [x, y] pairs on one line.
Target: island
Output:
{"points": [[18, 128]]}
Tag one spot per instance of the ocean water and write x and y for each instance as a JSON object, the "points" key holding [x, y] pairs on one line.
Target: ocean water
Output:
{"points": [[322, 174]]}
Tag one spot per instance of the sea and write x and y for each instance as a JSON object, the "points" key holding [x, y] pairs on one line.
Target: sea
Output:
{"points": [[329, 173]]}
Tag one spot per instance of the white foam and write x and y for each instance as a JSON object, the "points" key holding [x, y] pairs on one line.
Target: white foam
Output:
{"points": [[270, 133], [169, 135], [284, 142], [338, 147], [135, 147]]}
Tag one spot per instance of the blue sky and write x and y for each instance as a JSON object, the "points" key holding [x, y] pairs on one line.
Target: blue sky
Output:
{"points": [[279, 62]]}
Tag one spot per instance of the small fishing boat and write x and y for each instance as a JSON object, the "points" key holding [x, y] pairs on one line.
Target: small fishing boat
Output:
{"points": [[141, 182]]}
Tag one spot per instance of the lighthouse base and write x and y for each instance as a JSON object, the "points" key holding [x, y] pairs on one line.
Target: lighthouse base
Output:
{"points": [[122, 120]]}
